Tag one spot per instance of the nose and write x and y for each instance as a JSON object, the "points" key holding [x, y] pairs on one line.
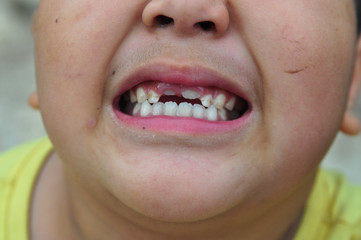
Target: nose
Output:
{"points": [[187, 17]]}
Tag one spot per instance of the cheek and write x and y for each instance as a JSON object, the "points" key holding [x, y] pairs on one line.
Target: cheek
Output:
{"points": [[305, 63], [75, 42]]}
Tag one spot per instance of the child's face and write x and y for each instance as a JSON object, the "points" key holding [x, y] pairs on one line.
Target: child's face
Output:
{"points": [[291, 61]]}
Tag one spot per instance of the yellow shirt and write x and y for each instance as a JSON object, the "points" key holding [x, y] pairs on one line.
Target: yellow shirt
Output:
{"points": [[333, 211], [18, 172]]}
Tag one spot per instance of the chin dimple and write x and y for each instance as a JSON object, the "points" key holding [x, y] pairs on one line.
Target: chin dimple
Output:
{"points": [[163, 99]]}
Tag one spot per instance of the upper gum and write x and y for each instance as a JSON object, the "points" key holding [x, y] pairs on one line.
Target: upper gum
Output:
{"points": [[160, 87]]}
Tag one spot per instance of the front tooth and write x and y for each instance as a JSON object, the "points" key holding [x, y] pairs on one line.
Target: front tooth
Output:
{"points": [[158, 109], [145, 109], [190, 94], [133, 97], [169, 93], [141, 96], [153, 97], [219, 101], [206, 100], [211, 113], [136, 108], [230, 104], [198, 111], [184, 110], [170, 108]]}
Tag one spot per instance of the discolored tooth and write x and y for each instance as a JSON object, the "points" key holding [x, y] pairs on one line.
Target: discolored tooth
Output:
{"points": [[219, 101], [170, 109], [141, 96], [190, 94], [133, 97], [169, 93], [198, 111], [184, 110], [230, 104], [145, 109], [158, 109], [211, 113], [223, 114], [136, 108], [153, 97], [206, 100]]}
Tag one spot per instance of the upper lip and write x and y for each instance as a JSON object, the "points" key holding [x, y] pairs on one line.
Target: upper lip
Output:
{"points": [[184, 75]]}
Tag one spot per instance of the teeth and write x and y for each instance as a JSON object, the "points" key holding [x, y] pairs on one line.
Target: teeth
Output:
{"points": [[190, 94], [230, 104], [184, 110], [141, 96], [136, 108], [133, 97], [170, 108], [145, 109], [158, 109], [206, 100], [223, 114], [169, 93], [153, 97], [198, 111], [211, 113], [211, 109], [219, 101]]}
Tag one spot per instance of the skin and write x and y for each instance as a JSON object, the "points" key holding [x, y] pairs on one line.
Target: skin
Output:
{"points": [[110, 181]]}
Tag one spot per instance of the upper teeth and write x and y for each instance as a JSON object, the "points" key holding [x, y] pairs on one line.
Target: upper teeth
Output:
{"points": [[212, 108], [189, 94], [206, 100], [141, 96], [219, 101], [153, 97]]}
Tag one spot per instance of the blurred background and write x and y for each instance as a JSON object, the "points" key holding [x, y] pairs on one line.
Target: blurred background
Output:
{"points": [[19, 123]]}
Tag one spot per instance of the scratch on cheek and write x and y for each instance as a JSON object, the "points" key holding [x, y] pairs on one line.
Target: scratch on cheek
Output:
{"points": [[294, 71]]}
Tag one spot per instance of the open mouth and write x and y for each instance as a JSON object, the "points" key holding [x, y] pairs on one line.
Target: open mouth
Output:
{"points": [[156, 98]]}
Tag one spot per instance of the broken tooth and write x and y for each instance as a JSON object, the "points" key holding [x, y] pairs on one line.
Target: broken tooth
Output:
{"points": [[206, 100], [170, 108], [219, 101], [133, 97], [190, 94], [169, 93], [184, 110], [211, 113], [153, 97], [141, 96], [230, 104], [136, 108], [198, 111], [158, 109], [145, 109]]}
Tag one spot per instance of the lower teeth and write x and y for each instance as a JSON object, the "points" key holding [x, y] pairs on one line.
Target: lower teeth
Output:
{"points": [[184, 109]]}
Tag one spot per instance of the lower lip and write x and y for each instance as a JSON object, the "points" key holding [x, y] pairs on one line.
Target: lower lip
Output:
{"points": [[182, 125]]}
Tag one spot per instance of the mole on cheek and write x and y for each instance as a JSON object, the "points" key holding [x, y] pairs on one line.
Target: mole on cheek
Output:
{"points": [[92, 123]]}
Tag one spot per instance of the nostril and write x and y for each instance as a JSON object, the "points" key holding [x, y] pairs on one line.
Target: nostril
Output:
{"points": [[206, 26], [162, 21]]}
